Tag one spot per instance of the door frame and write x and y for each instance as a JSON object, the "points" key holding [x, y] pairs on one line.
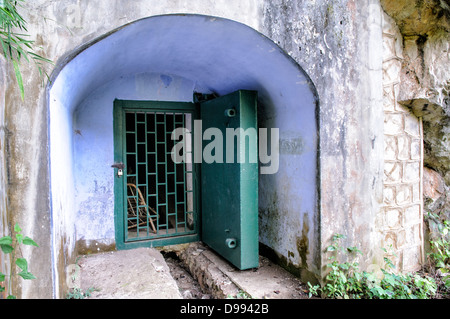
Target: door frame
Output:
{"points": [[119, 109]]}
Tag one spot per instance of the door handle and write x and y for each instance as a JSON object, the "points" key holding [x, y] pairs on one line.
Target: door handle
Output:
{"points": [[118, 165]]}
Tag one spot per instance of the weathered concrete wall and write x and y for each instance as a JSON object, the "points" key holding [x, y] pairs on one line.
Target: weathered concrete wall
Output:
{"points": [[339, 44], [4, 229], [27, 175]]}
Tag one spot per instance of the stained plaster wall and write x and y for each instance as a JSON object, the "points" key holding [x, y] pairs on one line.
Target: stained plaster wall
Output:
{"points": [[4, 260], [339, 45]]}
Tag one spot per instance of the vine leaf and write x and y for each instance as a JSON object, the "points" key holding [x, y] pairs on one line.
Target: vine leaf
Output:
{"points": [[17, 228], [28, 241], [7, 240], [26, 275], [22, 263], [6, 244]]}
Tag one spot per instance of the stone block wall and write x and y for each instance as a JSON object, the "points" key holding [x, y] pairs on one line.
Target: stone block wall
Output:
{"points": [[401, 219]]}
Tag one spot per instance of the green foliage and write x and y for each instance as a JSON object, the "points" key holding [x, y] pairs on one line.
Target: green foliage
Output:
{"points": [[14, 42], [77, 293], [240, 295], [402, 286], [12, 245], [345, 281], [342, 278], [440, 250]]}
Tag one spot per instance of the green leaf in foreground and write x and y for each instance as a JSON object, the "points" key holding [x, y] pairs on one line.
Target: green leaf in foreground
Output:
{"points": [[28, 241], [7, 240], [6, 248], [17, 228], [26, 275], [22, 263]]}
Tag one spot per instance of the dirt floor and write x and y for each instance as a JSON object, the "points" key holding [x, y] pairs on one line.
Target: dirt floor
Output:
{"points": [[188, 286]]}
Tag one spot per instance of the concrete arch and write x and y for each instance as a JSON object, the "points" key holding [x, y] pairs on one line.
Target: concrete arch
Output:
{"points": [[168, 58]]}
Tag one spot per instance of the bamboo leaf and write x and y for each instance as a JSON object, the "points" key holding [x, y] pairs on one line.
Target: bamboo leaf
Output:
{"points": [[5, 47], [16, 45], [40, 58], [19, 79]]}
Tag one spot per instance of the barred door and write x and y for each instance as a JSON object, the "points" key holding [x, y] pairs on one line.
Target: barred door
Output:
{"points": [[157, 195]]}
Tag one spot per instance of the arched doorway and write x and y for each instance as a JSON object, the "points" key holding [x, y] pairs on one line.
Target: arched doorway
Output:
{"points": [[168, 58]]}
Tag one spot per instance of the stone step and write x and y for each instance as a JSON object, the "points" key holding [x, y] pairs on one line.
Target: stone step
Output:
{"points": [[223, 280]]}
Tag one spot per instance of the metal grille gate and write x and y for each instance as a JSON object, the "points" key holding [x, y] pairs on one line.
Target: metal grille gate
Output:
{"points": [[160, 196]]}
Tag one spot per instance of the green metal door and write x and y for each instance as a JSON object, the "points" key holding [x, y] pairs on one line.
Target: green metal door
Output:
{"points": [[155, 196], [230, 186]]}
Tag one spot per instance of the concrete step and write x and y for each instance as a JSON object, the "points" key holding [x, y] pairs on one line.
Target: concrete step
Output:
{"points": [[223, 280], [140, 273]]}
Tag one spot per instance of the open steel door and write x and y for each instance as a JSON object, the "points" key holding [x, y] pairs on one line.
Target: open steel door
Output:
{"points": [[229, 177]]}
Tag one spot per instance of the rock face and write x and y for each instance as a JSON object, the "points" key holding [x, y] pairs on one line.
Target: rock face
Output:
{"points": [[425, 90], [433, 184], [418, 17], [436, 193], [425, 85]]}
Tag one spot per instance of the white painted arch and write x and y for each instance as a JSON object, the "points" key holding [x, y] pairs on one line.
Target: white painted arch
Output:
{"points": [[196, 53]]}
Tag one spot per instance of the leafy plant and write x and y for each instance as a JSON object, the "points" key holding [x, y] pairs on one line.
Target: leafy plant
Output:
{"points": [[77, 293], [240, 295], [346, 281], [342, 279], [12, 245], [14, 42]]}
